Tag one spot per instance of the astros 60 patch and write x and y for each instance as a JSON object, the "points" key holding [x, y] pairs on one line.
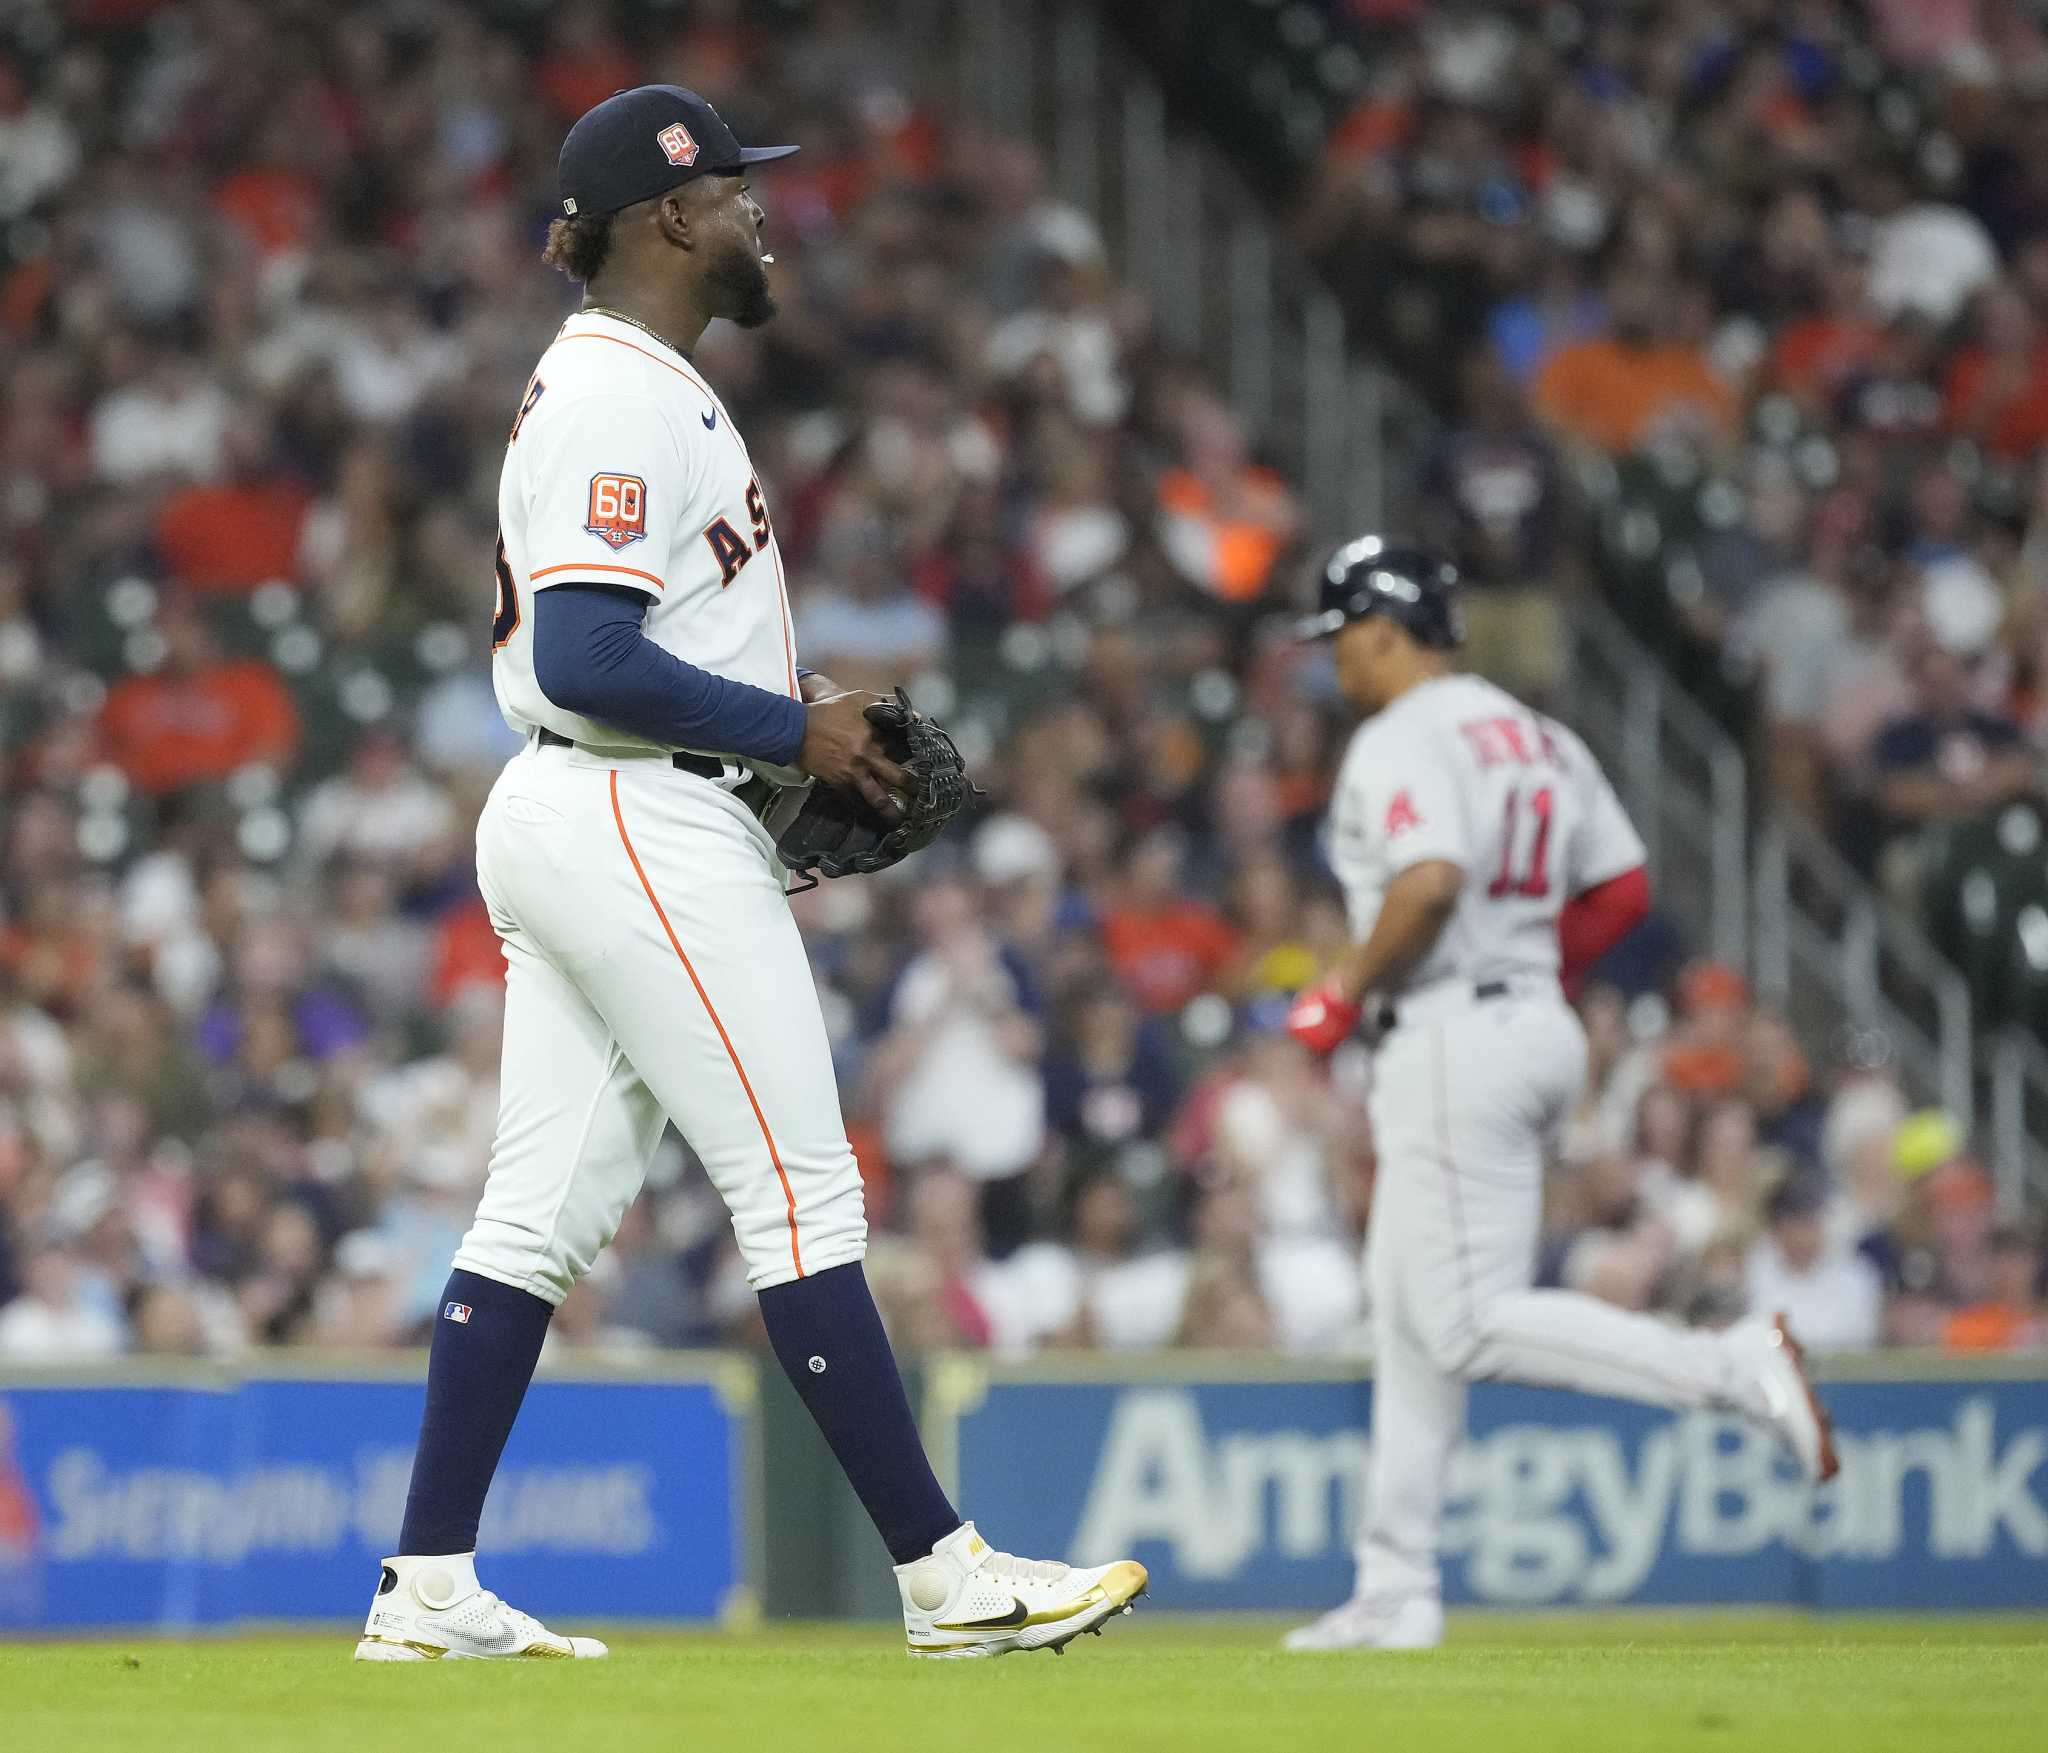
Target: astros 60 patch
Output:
{"points": [[618, 509]]}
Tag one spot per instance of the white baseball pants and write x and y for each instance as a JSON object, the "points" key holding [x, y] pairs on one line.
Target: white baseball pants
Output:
{"points": [[1466, 1095], [653, 972]]}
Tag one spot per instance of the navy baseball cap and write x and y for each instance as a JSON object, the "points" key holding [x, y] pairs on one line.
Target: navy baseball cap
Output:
{"points": [[641, 143]]}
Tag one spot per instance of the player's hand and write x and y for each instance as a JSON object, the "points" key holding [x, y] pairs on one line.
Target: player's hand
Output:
{"points": [[840, 747], [1321, 1018]]}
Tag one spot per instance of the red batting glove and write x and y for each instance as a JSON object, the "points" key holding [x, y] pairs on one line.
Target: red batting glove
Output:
{"points": [[1321, 1020]]}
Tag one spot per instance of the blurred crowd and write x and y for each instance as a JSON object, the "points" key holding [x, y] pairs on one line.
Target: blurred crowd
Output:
{"points": [[1741, 309], [269, 285]]}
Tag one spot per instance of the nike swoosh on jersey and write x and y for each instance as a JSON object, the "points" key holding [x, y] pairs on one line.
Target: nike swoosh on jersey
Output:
{"points": [[710, 420]]}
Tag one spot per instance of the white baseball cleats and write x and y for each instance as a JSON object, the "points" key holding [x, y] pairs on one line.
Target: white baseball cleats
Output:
{"points": [[1769, 1381], [963, 1600], [967, 1599], [1787, 1400], [1416, 1623], [427, 1608]]}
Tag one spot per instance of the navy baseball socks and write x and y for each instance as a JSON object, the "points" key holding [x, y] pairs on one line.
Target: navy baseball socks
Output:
{"points": [[429, 1605], [960, 1596], [486, 1342], [827, 1336], [829, 1340]]}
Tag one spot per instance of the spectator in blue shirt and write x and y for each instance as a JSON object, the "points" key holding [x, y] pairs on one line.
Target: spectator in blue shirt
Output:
{"points": [[1945, 759]]}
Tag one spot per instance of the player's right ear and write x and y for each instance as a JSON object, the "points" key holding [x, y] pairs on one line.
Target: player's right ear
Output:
{"points": [[673, 219]]}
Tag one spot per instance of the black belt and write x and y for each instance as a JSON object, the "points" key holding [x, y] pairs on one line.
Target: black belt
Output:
{"points": [[755, 795], [1485, 989]]}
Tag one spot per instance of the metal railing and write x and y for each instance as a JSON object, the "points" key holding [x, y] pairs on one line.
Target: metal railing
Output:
{"points": [[2015, 1079], [1830, 953], [1680, 774], [1780, 902], [1181, 227]]}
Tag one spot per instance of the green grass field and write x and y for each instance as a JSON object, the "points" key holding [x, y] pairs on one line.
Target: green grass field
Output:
{"points": [[1584, 1684]]}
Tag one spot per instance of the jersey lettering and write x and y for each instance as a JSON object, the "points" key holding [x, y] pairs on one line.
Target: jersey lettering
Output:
{"points": [[505, 618], [730, 548], [618, 509], [757, 509], [1504, 742], [534, 388], [1402, 815]]}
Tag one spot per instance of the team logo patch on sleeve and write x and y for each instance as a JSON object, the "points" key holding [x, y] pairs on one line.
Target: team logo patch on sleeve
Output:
{"points": [[1401, 815], [618, 509]]}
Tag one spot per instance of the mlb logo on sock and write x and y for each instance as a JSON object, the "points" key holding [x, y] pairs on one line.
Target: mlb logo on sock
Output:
{"points": [[456, 1312]]}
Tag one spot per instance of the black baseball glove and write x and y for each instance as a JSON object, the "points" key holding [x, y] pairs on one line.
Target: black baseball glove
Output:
{"points": [[838, 833]]}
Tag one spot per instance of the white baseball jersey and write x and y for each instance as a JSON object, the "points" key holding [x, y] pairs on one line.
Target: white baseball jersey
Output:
{"points": [[625, 469], [654, 973], [1460, 770]]}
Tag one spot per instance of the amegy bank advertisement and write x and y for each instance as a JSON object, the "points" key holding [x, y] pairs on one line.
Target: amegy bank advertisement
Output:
{"points": [[1246, 1494], [179, 1504]]}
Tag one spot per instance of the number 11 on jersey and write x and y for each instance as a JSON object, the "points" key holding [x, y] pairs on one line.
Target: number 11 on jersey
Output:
{"points": [[1534, 881]]}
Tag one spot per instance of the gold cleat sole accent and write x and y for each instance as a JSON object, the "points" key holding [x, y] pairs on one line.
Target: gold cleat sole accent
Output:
{"points": [[433, 1652], [1124, 1582]]}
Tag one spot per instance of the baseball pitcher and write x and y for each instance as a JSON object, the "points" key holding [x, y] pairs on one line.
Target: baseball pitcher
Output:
{"points": [[679, 765]]}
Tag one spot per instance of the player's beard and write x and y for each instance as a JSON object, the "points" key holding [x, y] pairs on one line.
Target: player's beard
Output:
{"points": [[744, 295]]}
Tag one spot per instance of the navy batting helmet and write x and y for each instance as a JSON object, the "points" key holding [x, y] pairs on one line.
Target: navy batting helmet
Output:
{"points": [[1410, 584]]}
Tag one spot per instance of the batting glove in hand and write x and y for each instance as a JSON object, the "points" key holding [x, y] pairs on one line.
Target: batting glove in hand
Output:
{"points": [[1321, 1020]]}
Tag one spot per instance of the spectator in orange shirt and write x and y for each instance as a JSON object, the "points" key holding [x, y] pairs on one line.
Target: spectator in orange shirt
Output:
{"points": [[584, 62], [1379, 122], [464, 952], [1997, 389], [198, 716], [1706, 1054], [2011, 1317], [1618, 391], [1814, 356], [1224, 520], [1165, 945], [274, 197], [236, 534], [56, 948]]}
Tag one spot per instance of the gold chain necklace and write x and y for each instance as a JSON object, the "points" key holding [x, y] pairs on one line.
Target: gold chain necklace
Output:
{"points": [[619, 316]]}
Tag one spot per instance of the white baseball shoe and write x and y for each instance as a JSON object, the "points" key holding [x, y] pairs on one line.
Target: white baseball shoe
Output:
{"points": [[1362, 1623], [1789, 1404], [427, 1608], [967, 1599]]}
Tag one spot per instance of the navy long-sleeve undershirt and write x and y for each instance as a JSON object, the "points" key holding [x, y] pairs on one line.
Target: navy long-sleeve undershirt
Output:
{"points": [[592, 657]]}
